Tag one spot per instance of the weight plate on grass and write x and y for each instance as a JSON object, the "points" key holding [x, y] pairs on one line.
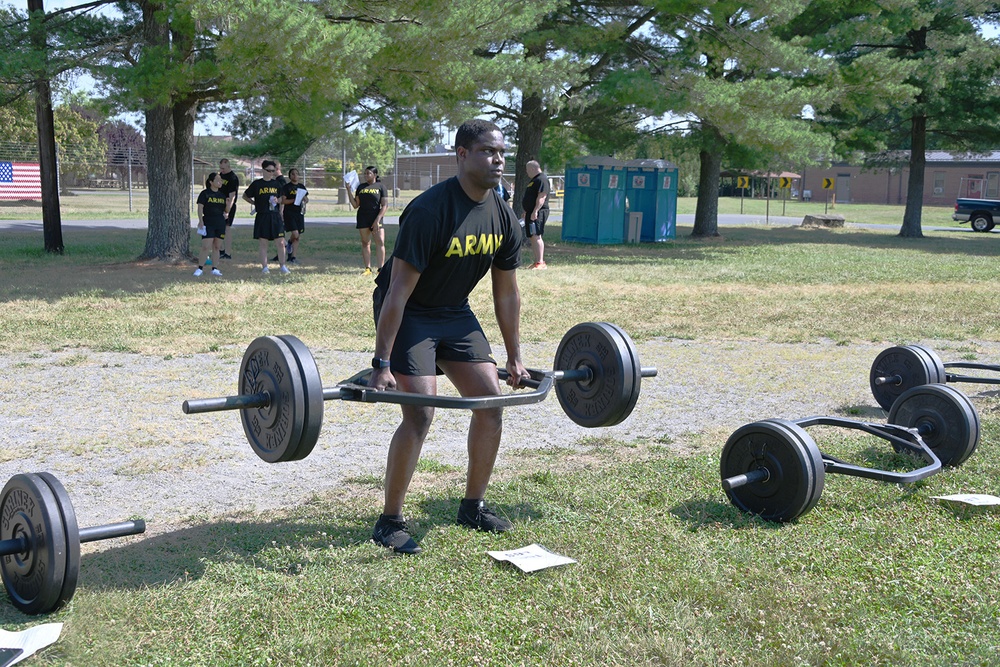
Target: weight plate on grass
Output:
{"points": [[277, 430], [309, 372], [33, 578], [898, 369], [953, 422], [72, 531], [633, 352], [603, 400], [936, 365], [792, 460]]}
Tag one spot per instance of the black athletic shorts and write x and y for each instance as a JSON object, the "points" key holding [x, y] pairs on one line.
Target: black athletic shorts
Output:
{"points": [[536, 227], [452, 334], [268, 225], [215, 229], [295, 222], [366, 219]]}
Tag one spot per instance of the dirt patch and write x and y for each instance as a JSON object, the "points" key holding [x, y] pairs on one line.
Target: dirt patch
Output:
{"points": [[110, 426]]}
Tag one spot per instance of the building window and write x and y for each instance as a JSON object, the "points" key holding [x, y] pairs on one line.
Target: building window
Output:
{"points": [[938, 183], [993, 185]]}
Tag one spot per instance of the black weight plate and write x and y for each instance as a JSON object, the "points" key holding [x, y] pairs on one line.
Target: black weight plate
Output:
{"points": [[274, 432], [72, 530], [909, 364], [936, 365], [34, 578], [636, 370], [954, 432], [313, 387], [794, 464], [602, 400]]}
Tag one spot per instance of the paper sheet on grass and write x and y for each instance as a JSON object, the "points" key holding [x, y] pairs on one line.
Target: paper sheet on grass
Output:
{"points": [[531, 558], [300, 194], [352, 181], [17, 646], [976, 499]]}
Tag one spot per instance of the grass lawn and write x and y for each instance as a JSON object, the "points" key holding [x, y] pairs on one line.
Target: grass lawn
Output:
{"points": [[668, 573]]}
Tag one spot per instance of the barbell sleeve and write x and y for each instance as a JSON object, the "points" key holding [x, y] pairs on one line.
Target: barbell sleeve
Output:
{"points": [[14, 545], [218, 404], [112, 530], [736, 481], [21, 544], [894, 380]]}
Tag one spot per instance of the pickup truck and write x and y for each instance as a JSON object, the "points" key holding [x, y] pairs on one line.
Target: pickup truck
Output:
{"points": [[981, 214]]}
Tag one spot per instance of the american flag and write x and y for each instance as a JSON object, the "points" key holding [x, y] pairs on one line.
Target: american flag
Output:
{"points": [[20, 180]]}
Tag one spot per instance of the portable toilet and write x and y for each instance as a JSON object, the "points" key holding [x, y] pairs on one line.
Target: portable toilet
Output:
{"points": [[651, 189], [594, 202]]}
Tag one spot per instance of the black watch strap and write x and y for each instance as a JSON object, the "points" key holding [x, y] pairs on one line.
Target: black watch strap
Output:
{"points": [[380, 363]]}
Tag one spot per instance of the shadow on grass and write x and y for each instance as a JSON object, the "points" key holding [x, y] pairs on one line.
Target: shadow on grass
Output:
{"points": [[184, 554], [701, 513]]}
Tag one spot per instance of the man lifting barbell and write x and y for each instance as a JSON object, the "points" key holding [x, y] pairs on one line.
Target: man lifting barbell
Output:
{"points": [[449, 238]]}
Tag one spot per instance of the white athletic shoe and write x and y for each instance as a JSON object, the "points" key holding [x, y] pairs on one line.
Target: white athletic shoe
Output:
{"points": [[198, 272], [284, 269], [216, 272], [266, 270]]}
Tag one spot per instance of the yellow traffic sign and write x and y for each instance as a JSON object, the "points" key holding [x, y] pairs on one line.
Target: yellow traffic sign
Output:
{"points": [[784, 182], [828, 183], [743, 182]]}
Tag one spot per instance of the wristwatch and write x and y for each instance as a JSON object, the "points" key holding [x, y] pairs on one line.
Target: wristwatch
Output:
{"points": [[380, 363]]}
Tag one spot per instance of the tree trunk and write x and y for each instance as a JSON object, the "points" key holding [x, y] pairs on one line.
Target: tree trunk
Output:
{"points": [[44, 122], [169, 140], [915, 183], [169, 147], [530, 128], [706, 213]]}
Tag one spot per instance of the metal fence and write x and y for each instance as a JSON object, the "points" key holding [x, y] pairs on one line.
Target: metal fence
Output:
{"points": [[126, 170]]}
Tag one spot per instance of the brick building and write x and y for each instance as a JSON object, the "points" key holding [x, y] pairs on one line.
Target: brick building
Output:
{"points": [[947, 176]]}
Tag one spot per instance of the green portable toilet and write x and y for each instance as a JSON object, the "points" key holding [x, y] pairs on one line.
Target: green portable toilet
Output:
{"points": [[651, 189], [594, 202]]}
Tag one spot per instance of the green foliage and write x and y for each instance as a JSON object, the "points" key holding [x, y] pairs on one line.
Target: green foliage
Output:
{"points": [[911, 58], [560, 146]]}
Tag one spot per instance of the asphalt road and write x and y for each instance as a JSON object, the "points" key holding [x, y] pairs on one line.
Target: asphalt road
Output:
{"points": [[687, 219]]}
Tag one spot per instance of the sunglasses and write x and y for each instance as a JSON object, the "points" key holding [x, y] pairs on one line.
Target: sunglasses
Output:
{"points": [[270, 170]]}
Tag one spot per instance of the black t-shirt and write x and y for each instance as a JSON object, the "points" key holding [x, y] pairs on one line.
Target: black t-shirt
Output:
{"points": [[230, 183], [288, 192], [265, 195], [453, 242], [370, 197], [213, 206], [539, 185]]}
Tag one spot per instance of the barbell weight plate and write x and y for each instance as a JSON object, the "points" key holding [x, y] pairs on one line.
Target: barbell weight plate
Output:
{"points": [[633, 352], [72, 531], [909, 364], [275, 431], [313, 385], [950, 413], [602, 400], [937, 366], [34, 578], [794, 464]]}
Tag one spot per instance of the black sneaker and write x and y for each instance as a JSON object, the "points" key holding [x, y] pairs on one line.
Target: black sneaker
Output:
{"points": [[293, 260], [391, 533], [475, 514], [224, 255], [274, 259]]}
